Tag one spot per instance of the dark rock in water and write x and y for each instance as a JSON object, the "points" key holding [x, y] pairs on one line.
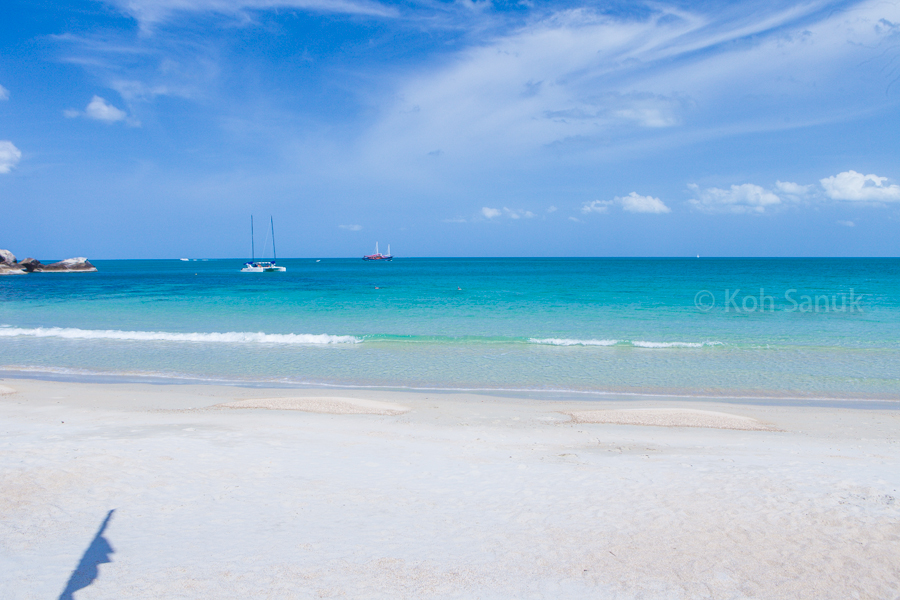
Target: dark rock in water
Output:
{"points": [[71, 265], [31, 264]]}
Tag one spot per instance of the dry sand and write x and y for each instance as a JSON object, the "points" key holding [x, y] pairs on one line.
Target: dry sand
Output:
{"points": [[5, 389], [670, 417], [322, 404], [462, 496]]}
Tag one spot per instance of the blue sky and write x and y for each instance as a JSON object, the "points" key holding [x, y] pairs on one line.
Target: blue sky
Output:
{"points": [[153, 129]]}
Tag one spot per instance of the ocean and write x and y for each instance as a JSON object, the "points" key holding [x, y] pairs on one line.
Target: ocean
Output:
{"points": [[766, 328]]}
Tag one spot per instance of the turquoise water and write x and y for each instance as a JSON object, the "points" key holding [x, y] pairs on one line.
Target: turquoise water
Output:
{"points": [[573, 325]]}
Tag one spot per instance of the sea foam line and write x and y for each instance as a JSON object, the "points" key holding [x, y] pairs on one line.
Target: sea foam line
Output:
{"points": [[231, 337], [637, 343]]}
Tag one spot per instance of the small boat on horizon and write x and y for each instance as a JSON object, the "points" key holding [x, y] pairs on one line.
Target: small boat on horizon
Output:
{"points": [[262, 266], [378, 255]]}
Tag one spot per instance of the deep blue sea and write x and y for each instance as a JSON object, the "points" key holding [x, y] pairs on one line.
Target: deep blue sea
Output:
{"points": [[779, 328]]}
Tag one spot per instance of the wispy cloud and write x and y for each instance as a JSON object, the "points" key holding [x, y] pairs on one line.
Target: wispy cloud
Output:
{"points": [[351, 227], [9, 156], [581, 81], [490, 213], [596, 206], [4, 93], [151, 12]]}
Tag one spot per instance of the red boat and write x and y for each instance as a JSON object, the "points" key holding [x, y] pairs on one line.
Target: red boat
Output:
{"points": [[378, 255]]}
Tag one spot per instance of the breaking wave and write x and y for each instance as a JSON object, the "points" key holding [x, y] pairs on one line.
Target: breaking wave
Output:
{"points": [[231, 337]]}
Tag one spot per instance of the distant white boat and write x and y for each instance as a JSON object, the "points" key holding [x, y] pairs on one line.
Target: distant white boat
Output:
{"points": [[262, 266], [185, 259]]}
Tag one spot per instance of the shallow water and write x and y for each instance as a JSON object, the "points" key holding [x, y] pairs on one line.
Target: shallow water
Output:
{"points": [[568, 325]]}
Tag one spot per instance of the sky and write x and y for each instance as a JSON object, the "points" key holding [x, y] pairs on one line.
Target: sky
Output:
{"points": [[155, 128]]}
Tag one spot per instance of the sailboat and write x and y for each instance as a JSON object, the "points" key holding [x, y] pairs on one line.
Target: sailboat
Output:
{"points": [[378, 255], [259, 266]]}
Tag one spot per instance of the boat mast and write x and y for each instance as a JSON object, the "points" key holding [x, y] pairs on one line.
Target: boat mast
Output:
{"points": [[376, 247], [252, 249], [389, 250], [272, 223]]}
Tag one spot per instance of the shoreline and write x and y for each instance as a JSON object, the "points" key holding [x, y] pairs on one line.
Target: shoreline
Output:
{"points": [[54, 374]]}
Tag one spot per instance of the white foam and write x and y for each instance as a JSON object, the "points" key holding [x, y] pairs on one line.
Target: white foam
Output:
{"points": [[637, 344], [231, 337], [640, 344], [568, 342]]}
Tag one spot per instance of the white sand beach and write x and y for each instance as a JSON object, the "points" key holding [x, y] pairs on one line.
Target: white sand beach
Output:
{"points": [[228, 492]]}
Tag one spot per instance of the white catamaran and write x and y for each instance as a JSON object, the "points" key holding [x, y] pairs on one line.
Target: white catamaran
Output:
{"points": [[258, 266]]}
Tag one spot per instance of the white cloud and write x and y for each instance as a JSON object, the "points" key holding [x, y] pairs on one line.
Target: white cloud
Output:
{"points": [[597, 206], [490, 213], [351, 227], [99, 109], [854, 186], [9, 156], [793, 189], [575, 219], [745, 198], [4, 93], [847, 223], [551, 209], [636, 203]]}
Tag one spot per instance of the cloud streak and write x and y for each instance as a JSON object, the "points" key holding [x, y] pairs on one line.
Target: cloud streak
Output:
{"points": [[152, 12]]}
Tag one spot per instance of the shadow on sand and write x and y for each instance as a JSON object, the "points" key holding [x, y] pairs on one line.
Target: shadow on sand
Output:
{"points": [[86, 571]]}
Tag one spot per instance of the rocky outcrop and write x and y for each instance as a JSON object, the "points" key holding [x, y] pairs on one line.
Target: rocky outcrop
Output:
{"points": [[9, 265], [31, 264], [71, 265]]}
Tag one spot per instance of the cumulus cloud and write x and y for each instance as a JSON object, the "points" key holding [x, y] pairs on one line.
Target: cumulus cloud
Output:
{"points": [[636, 203], [597, 206], [99, 109], [745, 198], [4, 93], [490, 213], [857, 187], [9, 156], [551, 209], [351, 227]]}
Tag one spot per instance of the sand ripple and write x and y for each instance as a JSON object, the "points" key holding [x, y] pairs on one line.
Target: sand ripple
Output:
{"points": [[670, 417], [323, 404]]}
